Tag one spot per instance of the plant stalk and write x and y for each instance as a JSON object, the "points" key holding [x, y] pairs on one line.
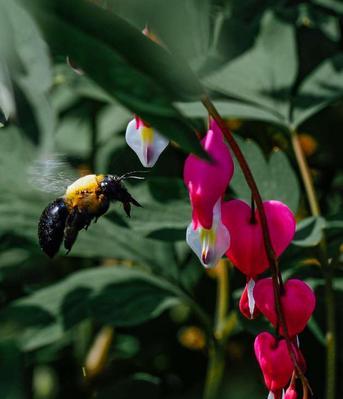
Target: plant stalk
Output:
{"points": [[222, 297], [216, 354], [305, 174], [327, 268], [215, 371]]}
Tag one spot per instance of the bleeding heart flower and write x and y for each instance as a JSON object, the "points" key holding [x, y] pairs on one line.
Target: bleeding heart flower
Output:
{"points": [[209, 244], [247, 250], [207, 182], [145, 141], [291, 393], [298, 303], [247, 302], [275, 362]]}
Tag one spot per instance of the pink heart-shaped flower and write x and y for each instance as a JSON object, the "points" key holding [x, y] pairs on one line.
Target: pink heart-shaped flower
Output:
{"points": [[247, 250], [207, 181], [291, 393], [274, 360], [298, 303]]}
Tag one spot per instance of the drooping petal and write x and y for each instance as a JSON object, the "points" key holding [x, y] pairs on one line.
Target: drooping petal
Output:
{"points": [[291, 393], [247, 251], [209, 244], [298, 303], [275, 362], [247, 301], [207, 182], [145, 141]]}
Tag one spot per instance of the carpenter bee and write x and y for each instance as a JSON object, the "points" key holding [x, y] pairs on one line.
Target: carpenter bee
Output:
{"points": [[86, 199]]}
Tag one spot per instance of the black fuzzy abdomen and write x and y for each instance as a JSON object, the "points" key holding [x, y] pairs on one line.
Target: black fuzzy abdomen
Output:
{"points": [[51, 226]]}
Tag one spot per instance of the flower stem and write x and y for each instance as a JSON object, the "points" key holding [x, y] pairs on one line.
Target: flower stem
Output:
{"points": [[215, 371], [305, 174], [222, 297], [327, 268], [273, 261], [216, 353]]}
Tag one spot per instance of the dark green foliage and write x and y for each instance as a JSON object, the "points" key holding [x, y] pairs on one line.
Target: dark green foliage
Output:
{"points": [[277, 66]]}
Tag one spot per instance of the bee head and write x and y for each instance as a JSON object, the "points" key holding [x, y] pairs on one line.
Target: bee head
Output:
{"points": [[112, 186]]}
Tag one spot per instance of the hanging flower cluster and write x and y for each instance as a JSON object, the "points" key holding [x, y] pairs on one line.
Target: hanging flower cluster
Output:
{"points": [[234, 228]]}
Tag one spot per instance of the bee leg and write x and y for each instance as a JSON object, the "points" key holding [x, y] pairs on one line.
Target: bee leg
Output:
{"points": [[134, 202], [76, 221], [105, 204], [127, 208], [71, 230]]}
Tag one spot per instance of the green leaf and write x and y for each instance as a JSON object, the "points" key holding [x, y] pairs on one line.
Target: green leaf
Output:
{"points": [[309, 232], [30, 69], [275, 178], [230, 109], [319, 89], [183, 26], [118, 296], [11, 377], [171, 213], [126, 64], [316, 331], [330, 5], [262, 76]]}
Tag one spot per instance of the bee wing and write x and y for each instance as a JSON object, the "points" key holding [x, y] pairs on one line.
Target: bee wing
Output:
{"points": [[51, 174]]}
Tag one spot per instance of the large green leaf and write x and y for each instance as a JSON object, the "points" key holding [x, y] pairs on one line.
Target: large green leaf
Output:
{"points": [[264, 75], [184, 26], [118, 296], [309, 232], [11, 378], [275, 178], [231, 109], [127, 65], [322, 87], [30, 69]]}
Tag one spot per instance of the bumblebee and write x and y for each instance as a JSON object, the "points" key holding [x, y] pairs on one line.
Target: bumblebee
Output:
{"points": [[84, 200]]}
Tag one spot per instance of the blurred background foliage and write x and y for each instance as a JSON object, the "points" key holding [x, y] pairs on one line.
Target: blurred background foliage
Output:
{"points": [[124, 314]]}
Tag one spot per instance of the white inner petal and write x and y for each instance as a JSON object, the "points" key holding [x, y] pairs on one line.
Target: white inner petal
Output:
{"points": [[148, 153], [209, 244], [271, 395], [251, 299]]}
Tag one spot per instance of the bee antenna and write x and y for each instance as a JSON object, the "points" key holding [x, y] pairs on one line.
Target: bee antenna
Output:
{"points": [[130, 175], [136, 177]]}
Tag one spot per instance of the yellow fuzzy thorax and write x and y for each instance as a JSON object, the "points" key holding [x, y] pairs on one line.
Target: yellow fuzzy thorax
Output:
{"points": [[84, 193]]}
